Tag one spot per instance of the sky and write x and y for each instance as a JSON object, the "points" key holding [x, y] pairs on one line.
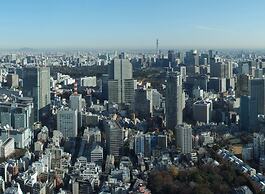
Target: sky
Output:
{"points": [[134, 24]]}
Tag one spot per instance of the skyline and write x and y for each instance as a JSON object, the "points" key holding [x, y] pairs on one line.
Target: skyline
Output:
{"points": [[134, 24]]}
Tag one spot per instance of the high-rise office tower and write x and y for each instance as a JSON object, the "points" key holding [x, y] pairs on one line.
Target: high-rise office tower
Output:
{"points": [[114, 137], [67, 122], [139, 143], [243, 85], [184, 138], [221, 70], [36, 84], [202, 111], [174, 101], [257, 94], [245, 108], [171, 57], [192, 58], [120, 85], [104, 86], [204, 59], [142, 103]]}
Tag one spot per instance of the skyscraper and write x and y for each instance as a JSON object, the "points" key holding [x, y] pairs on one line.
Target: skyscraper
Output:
{"points": [[257, 95], [221, 70], [114, 137], [202, 111], [243, 85], [174, 101], [142, 103], [120, 84], [171, 57], [67, 122], [192, 58], [76, 104], [36, 84], [245, 108], [184, 138], [76, 99]]}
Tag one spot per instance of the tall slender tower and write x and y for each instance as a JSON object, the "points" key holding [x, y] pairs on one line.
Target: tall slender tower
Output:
{"points": [[157, 47], [76, 104], [174, 100]]}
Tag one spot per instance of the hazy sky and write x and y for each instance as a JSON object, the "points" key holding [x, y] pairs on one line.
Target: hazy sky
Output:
{"points": [[132, 23]]}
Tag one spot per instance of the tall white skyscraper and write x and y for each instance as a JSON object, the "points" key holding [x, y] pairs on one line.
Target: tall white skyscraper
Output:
{"points": [[121, 84], [184, 138]]}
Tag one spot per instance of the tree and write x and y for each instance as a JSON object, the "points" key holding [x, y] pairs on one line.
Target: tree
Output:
{"points": [[173, 171]]}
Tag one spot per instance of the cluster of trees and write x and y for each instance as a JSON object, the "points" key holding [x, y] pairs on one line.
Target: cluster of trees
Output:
{"points": [[203, 180], [82, 71]]}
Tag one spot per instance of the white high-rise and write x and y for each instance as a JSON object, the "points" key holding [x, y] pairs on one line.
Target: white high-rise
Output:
{"points": [[184, 138]]}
